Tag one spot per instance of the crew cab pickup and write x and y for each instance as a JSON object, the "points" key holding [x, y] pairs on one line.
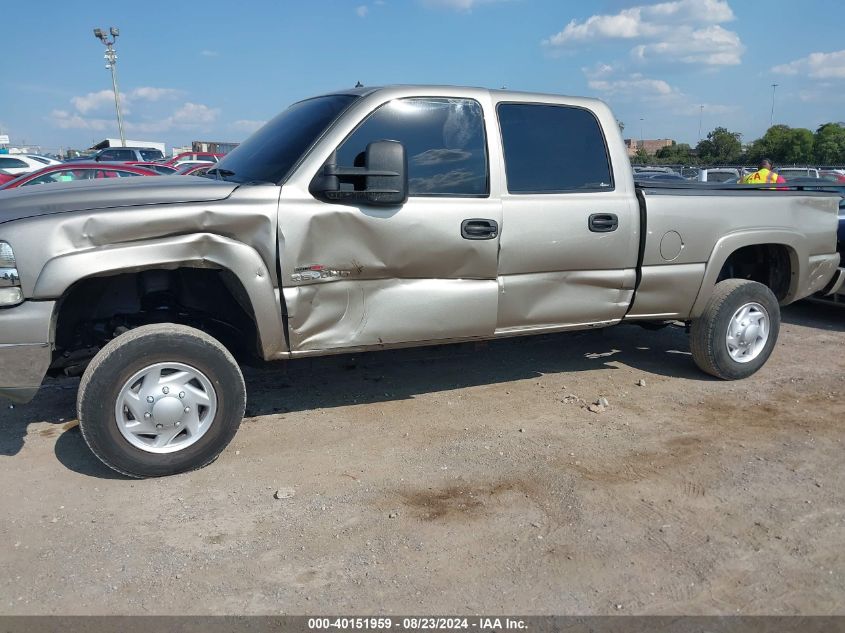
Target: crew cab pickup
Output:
{"points": [[375, 218]]}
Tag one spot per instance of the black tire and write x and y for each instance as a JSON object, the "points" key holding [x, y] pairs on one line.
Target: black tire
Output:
{"points": [[129, 353], [707, 335]]}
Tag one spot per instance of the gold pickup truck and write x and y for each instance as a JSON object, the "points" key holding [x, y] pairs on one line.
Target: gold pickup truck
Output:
{"points": [[375, 218]]}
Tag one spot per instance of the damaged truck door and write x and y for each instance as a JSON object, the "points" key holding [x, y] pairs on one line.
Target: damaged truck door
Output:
{"points": [[360, 271]]}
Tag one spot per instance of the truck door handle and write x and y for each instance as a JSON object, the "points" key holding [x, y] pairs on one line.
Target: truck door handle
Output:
{"points": [[479, 229], [603, 222]]}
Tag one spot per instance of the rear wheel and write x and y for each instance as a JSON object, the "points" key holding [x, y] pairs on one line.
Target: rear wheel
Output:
{"points": [[737, 331], [159, 400]]}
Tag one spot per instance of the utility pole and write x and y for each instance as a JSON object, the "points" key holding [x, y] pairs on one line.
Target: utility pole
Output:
{"points": [[772, 118], [700, 117], [111, 64]]}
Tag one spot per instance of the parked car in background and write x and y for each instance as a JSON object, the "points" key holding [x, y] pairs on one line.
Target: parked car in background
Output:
{"points": [[719, 174], [161, 168], [76, 171], [19, 163], [6, 177], [659, 176], [195, 169], [45, 160], [791, 173], [832, 175], [194, 157], [127, 154]]}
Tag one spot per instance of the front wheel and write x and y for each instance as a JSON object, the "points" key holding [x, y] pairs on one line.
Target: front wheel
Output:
{"points": [[737, 331], [160, 400]]}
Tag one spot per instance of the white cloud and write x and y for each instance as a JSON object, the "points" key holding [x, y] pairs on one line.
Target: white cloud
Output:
{"points": [[73, 121], [96, 101], [816, 66], [104, 99], [148, 93], [209, 53], [614, 83], [688, 31], [362, 11], [636, 83], [187, 117], [711, 46], [457, 5], [247, 125], [194, 114]]}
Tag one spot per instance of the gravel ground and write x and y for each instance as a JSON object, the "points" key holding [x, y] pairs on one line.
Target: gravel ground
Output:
{"points": [[460, 479]]}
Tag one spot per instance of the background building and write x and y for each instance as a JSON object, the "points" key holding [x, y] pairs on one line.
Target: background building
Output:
{"points": [[216, 147], [650, 145]]}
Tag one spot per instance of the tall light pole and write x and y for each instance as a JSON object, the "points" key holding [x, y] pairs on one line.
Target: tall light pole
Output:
{"points": [[642, 138], [772, 118], [111, 63], [700, 117]]}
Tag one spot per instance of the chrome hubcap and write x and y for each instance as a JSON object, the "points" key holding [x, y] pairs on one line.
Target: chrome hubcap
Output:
{"points": [[165, 407], [748, 331]]}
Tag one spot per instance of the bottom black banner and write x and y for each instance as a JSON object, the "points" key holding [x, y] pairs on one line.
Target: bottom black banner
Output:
{"points": [[310, 624]]}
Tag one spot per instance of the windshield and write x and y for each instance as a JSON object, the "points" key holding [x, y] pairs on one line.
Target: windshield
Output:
{"points": [[270, 153]]}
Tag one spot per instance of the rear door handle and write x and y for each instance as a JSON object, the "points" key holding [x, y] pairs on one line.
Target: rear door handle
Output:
{"points": [[603, 222], [479, 229]]}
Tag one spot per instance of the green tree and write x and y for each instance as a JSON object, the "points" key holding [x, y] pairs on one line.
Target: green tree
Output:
{"points": [[783, 144], [641, 157], [799, 147], [720, 146], [676, 153], [829, 144]]}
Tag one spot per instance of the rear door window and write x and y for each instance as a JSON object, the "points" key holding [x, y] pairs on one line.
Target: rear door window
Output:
{"points": [[12, 163], [63, 175], [117, 155], [553, 149]]}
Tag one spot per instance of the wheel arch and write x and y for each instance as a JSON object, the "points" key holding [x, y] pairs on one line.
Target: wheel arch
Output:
{"points": [[787, 243], [203, 251]]}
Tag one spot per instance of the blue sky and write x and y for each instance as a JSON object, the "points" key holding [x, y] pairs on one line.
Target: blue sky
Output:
{"points": [[215, 70]]}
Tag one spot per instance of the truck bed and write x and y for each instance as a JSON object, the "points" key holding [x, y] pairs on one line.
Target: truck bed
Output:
{"points": [[685, 226]]}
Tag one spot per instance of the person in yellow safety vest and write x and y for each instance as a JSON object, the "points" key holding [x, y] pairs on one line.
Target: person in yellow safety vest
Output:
{"points": [[763, 175]]}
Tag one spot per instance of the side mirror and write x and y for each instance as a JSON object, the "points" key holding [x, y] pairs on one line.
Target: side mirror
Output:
{"points": [[382, 181]]}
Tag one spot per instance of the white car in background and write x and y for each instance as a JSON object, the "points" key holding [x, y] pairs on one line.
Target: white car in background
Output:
{"points": [[44, 160], [719, 174], [791, 173], [19, 163]]}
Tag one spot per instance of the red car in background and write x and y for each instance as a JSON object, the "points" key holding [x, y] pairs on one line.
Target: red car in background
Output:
{"points": [[69, 172], [161, 168], [194, 157], [6, 177], [195, 169], [833, 175]]}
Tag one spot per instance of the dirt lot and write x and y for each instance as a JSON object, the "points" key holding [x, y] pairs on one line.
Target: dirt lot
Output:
{"points": [[457, 480]]}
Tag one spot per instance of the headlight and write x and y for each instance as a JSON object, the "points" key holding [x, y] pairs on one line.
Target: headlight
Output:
{"points": [[7, 256], [10, 292], [10, 296]]}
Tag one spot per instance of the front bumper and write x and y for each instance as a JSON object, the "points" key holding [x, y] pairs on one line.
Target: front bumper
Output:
{"points": [[26, 349], [836, 283]]}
